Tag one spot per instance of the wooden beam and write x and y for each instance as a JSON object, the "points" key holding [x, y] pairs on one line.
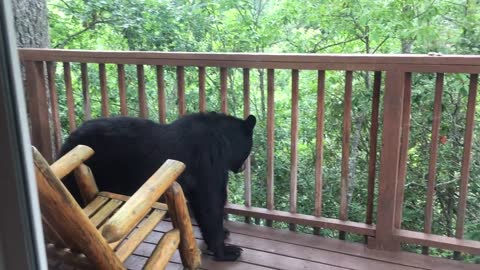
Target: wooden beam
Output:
{"points": [[86, 183], [223, 90], [71, 160], [246, 113], [120, 197], [164, 251], [138, 235], [347, 124], [178, 210], [390, 157], [140, 203], [122, 89], [67, 74], [52, 86], [262, 60], [162, 105], [402, 169], [270, 140], [294, 146], [181, 90], [301, 219], [37, 108], [142, 96], [432, 166], [96, 204], [87, 110], [467, 154], [437, 241], [320, 114], [103, 89], [202, 106]]}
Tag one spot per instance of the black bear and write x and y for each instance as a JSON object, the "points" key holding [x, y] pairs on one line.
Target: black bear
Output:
{"points": [[129, 150]]}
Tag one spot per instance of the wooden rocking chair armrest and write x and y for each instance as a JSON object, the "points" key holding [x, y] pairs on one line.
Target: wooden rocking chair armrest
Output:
{"points": [[124, 220], [71, 160]]}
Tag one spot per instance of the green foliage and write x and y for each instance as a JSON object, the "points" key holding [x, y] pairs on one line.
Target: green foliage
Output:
{"points": [[293, 26]]}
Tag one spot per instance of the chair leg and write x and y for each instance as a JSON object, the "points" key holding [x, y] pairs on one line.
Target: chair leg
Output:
{"points": [[177, 208]]}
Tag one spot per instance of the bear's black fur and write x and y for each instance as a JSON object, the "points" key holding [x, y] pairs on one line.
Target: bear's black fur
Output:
{"points": [[129, 150]]}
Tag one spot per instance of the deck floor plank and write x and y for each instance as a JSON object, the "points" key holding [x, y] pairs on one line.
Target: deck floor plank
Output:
{"points": [[135, 262]]}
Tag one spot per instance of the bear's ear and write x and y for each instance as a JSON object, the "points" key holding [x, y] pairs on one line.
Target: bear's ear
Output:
{"points": [[250, 122]]}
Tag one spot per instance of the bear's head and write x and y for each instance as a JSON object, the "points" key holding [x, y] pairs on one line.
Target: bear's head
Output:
{"points": [[241, 140]]}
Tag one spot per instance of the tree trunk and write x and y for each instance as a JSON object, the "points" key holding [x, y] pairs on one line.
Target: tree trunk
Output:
{"points": [[407, 46], [31, 23], [407, 43], [31, 29]]}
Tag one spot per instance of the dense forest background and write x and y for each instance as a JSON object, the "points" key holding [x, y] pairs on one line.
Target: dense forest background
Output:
{"points": [[294, 26]]}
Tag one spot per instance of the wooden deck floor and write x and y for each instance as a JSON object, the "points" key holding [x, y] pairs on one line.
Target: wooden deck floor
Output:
{"points": [[267, 248]]}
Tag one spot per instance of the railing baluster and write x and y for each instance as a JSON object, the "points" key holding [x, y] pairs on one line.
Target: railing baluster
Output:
{"points": [[389, 159], [38, 107], [122, 90], [319, 146], [103, 89], [142, 96], [377, 81], [432, 168], [69, 93], [162, 107], [85, 92], [270, 139], [52, 86], [201, 89], [181, 90], [347, 121], [402, 166], [224, 102], [248, 167], [223, 89], [294, 147], [467, 152]]}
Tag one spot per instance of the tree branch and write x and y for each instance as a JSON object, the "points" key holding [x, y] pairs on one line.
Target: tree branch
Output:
{"points": [[90, 26], [381, 43], [68, 6], [315, 50]]}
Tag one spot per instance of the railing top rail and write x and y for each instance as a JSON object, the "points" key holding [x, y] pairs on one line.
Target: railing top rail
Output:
{"points": [[260, 60]]}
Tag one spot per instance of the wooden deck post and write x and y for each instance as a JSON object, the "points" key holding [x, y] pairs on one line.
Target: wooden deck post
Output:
{"points": [[37, 103], [390, 156]]}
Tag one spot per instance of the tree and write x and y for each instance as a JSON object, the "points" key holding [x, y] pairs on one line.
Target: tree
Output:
{"points": [[31, 23]]}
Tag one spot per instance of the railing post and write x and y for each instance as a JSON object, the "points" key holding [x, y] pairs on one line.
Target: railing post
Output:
{"points": [[37, 104], [390, 156]]}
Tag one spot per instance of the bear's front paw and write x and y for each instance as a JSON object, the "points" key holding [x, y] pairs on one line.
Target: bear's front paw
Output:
{"points": [[229, 253]]}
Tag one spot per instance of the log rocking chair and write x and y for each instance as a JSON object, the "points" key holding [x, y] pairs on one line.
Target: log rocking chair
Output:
{"points": [[111, 226]]}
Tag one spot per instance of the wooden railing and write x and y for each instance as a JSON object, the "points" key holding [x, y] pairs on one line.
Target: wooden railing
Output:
{"points": [[396, 70]]}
